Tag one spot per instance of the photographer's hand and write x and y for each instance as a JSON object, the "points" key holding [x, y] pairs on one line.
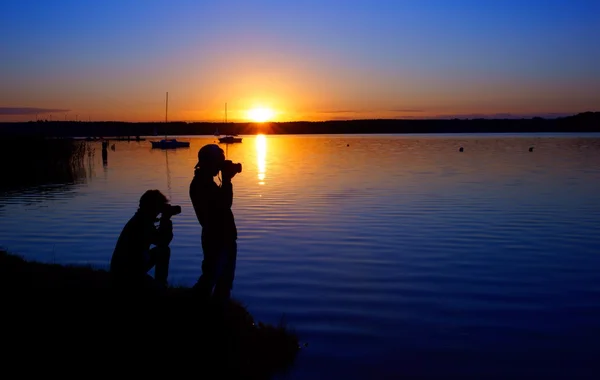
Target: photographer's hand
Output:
{"points": [[226, 193], [165, 231], [226, 176]]}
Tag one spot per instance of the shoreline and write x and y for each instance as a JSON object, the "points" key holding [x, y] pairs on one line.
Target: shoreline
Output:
{"points": [[583, 122], [74, 310]]}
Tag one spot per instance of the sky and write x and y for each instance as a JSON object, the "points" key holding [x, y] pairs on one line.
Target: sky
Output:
{"points": [[300, 60]]}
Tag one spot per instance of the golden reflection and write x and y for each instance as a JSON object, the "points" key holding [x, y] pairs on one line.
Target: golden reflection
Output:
{"points": [[261, 155]]}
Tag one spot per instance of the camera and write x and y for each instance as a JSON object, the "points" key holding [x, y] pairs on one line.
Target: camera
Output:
{"points": [[169, 210], [230, 167]]}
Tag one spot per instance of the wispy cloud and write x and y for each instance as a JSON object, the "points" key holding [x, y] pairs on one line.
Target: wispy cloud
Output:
{"points": [[549, 115], [556, 114], [340, 118], [28, 110], [408, 110], [337, 111], [366, 112]]}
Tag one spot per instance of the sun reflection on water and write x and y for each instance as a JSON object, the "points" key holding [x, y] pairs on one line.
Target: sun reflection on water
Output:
{"points": [[261, 155]]}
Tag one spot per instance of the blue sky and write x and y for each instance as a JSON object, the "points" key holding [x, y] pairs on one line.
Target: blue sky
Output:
{"points": [[305, 60]]}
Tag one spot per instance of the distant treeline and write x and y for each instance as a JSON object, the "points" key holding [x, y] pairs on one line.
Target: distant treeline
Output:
{"points": [[583, 122]]}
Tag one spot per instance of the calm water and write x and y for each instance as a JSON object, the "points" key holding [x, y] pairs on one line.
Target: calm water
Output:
{"points": [[391, 256]]}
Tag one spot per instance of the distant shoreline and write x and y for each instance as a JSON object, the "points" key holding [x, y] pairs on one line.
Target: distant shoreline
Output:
{"points": [[583, 122]]}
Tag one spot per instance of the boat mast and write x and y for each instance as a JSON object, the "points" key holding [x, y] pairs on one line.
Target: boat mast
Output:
{"points": [[166, 111]]}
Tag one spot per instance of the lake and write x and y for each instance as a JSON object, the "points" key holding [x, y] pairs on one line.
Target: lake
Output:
{"points": [[392, 256]]}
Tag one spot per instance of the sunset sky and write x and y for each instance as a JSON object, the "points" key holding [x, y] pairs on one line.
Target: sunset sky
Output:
{"points": [[297, 60]]}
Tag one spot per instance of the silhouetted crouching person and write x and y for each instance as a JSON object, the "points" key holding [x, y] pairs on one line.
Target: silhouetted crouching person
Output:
{"points": [[133, 257], [212, 204]]}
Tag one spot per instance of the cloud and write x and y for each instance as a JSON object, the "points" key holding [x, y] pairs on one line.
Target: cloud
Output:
{"points": [[549, 115], [364, 112], [338, 111], [28, 110], [340, 118]]}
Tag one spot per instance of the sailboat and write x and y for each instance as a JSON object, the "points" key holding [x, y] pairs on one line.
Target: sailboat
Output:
{"points": [[167, 143], [229, 139]]}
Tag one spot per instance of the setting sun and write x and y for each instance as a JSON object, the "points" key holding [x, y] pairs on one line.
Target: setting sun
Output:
{"points": [[260, 115]]}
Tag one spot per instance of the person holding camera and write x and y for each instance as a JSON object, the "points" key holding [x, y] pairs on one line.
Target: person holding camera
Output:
{"points": [[212, 205], [133, 257]]}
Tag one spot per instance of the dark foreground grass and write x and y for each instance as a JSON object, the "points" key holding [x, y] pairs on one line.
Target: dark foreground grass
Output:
{"points": [[66, 321]]}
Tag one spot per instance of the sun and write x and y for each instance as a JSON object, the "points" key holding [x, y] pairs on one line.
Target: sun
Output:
{"points": [[260, 114]]}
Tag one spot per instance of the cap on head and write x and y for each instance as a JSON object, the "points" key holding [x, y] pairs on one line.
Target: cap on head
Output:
{"points": [[152, 199], [210, 153]]}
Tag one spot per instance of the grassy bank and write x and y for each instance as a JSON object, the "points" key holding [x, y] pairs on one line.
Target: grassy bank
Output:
{"points": [[67, 321]]}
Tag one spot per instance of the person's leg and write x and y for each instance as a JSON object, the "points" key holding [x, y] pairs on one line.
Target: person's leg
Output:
{"points": [[206, 282], [150, 259], [150, 285], [159, 258], [162, 259], [225, 281]]}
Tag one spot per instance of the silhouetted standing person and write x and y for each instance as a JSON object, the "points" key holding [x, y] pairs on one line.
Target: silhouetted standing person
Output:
{"points": [[212, 204], [133, 257]]}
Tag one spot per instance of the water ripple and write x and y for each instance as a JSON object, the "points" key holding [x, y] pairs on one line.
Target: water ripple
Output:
{"points": [[394, 257]]}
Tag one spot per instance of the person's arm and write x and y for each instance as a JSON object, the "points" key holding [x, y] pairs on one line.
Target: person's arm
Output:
{"points": [[162, 235], [227, 188], [226, 193]]}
